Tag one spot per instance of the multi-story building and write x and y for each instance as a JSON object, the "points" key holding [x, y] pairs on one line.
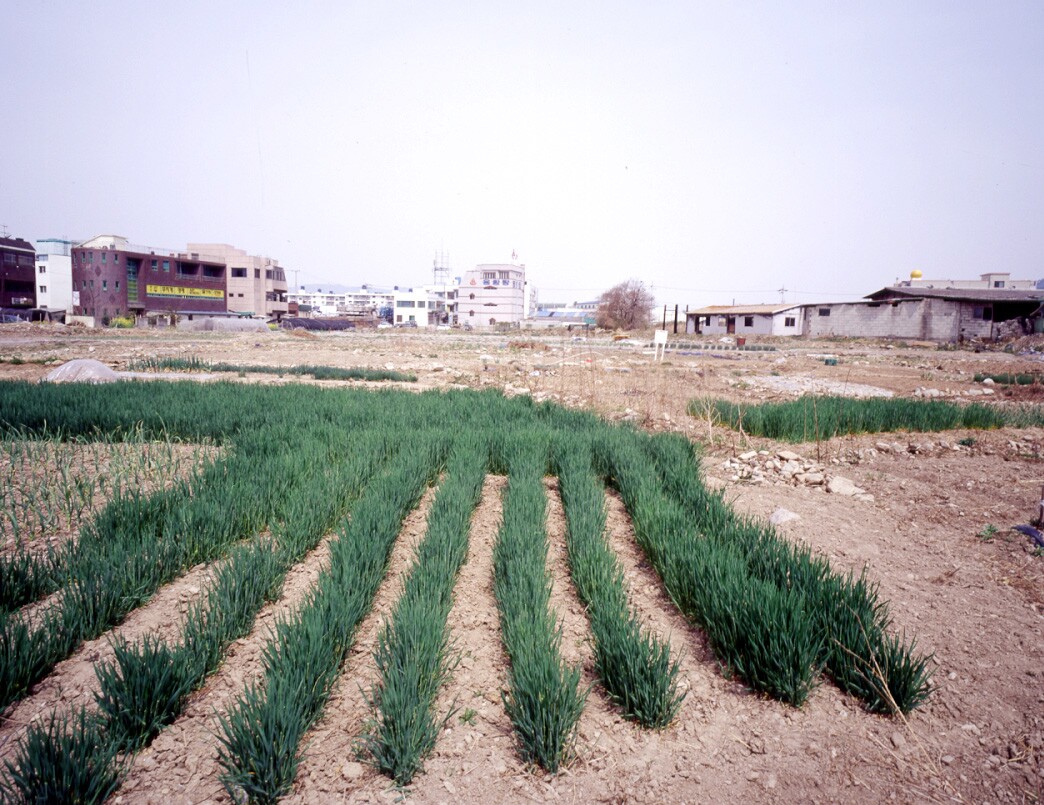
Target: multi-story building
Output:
{"points": [[54, 275], [414, 305], [993, 280], [256, 285], [364, 301], [493, 294], [17, 273], [444, 296], [114, 278], [367, 301]]}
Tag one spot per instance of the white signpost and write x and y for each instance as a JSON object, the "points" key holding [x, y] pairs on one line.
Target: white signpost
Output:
{"points": [[660, 345]]}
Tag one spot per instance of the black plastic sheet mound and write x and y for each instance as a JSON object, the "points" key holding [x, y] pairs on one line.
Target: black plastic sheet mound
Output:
{"points": [[317, 324]]}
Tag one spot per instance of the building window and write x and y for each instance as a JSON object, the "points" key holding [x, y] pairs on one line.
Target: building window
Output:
{"points": [[117, 285], [239, 272], [824, 311], [43, 269], [116, 259], [43, 289], [104, 256], [998, 283], [8, 257], [166, 265], [790, 321], [257, 273], [985, 313], [404, 303], [748, 321], [268, 273], [105, 285], [155, 265]]}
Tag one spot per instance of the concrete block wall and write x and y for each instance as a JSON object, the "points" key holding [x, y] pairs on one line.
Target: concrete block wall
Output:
{"points": [[916, 319]]}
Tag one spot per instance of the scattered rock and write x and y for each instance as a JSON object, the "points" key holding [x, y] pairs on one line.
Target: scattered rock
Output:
{"points": [[352, 770], [781, 515], [839, 485]]}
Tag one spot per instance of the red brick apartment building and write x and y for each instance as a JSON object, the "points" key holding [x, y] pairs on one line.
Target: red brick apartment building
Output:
{"points": [[113, 278]]}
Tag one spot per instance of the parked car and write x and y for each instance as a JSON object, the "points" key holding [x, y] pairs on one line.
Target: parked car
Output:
{"points": [[406, 324]]}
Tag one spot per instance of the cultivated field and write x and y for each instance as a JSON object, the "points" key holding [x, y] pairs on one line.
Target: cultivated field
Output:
{"points": [[279, 585]]}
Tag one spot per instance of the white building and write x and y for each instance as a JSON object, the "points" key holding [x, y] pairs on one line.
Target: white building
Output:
{"points": [[54, 286], [363, 302], [493, 294], [744, 320], [993, 280]]}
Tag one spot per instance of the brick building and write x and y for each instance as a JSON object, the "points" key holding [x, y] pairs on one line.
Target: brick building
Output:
{"points": [[113, 278], [17, 274]]}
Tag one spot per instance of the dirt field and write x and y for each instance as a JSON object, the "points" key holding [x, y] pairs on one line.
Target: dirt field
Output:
{"points": [[972, 596]]}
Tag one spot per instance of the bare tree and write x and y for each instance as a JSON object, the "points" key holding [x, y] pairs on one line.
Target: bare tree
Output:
{"points": [[625, 306]]}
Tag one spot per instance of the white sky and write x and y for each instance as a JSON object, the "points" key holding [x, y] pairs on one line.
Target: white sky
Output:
{"points": [[716, 151]]}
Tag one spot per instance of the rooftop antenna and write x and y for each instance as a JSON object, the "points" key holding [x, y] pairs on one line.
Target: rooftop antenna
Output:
{"points": [[3, 231], [782, 291], [441, 270]]}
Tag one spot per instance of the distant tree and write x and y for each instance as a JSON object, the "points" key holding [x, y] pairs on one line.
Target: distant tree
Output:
{"points": [[625, 306]]}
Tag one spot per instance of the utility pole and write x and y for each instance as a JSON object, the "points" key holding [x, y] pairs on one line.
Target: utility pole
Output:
{"points": [[782, 291]]}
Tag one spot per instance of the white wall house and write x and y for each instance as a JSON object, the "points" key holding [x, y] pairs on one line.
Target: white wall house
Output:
{"points": [[54, 289], [414, 305], [744, 320]]}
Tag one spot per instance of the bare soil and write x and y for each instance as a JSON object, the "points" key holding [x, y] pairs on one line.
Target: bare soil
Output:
{"points": [[972, 596]]}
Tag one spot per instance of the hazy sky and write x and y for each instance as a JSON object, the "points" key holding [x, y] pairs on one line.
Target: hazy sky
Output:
{"points": [[716, 151]]}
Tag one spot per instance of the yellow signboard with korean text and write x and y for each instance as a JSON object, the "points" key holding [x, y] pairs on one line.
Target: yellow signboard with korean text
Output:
{"points": [[181, 292]]}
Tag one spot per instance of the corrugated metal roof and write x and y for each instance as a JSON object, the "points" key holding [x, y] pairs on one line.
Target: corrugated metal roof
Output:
{"points": [[739, 310], [960, 294]]}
